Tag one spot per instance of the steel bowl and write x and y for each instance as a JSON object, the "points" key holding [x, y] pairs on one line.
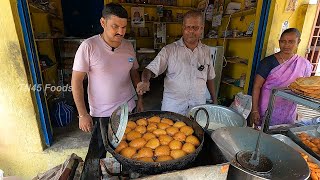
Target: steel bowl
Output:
{"points": [[219, 116]]}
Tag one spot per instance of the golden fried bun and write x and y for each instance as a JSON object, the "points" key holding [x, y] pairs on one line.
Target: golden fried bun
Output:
{"points": [[177, 153], [151, 127], [121, 146], [167, 121], [138, 143], [141, 129], [193, 140], [162, 151], [187, 130], [188, 148], [128, 152], [145, 152], [165, 139], [128, 129], [142, 122], [154, 119], [145, 159], [159, 132], [315, 141], [179, 124], [148, 136], [131, 124], [172, 130], [153, 143], [124, 138], [133, 135], [175, 144], [180, 136], [163, 158], [163, 126]]}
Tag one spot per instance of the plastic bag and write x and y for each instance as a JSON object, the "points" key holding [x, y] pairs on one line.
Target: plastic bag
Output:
{"points": [[242, 104]]}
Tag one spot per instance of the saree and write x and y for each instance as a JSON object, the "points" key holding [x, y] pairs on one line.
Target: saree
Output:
{"points": [[284, 111]]}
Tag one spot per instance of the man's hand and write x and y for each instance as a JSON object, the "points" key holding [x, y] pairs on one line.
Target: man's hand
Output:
{"points": [[140, 105], [143, 87], [85, 123]]}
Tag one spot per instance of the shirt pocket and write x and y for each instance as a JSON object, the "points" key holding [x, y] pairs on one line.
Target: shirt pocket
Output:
{"points": [[202, 74]]}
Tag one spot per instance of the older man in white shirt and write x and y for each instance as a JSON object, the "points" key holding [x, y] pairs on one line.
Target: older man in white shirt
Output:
{"points": [[189, 69]]}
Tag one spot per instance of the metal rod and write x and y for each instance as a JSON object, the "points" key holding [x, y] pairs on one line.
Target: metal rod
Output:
{"points": [[268, 114]]}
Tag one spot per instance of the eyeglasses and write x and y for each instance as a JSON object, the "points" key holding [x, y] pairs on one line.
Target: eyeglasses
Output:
{"points": [[189, 28]]}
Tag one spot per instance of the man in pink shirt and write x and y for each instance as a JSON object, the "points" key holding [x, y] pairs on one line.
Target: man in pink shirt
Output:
{"points": [[109, 62]]}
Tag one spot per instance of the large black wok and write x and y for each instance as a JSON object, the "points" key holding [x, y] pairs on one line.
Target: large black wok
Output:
{"points": [[157, 167]]}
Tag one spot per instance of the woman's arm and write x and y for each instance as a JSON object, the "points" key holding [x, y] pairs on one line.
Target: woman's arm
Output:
{"points": [[258, 82]]}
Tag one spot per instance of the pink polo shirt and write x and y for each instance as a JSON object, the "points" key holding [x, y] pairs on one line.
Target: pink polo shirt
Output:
{"points": [[108, 74]]}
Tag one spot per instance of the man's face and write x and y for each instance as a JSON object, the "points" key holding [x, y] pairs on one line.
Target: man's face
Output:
{"points": [[192, 29], [114, 28], [288, 43]]}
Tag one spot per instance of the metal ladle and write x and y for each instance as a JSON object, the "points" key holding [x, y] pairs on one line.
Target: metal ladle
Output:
{"points": [[257, 163]]}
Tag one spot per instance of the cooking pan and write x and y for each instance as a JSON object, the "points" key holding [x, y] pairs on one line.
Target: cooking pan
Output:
{"points": [[157, 167], [287, 163]]}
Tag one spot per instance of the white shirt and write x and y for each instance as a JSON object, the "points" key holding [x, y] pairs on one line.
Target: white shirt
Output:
{"points": [[184, 85]]}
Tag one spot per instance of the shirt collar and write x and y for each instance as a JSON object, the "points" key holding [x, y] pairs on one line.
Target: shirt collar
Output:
{"points": [[181, 43], [108, 46]]}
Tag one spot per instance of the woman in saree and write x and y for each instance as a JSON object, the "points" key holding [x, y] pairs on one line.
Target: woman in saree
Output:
{"points": [[277, 71]]}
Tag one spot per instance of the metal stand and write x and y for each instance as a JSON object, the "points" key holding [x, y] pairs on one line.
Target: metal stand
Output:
{"points": [[289, 95]]}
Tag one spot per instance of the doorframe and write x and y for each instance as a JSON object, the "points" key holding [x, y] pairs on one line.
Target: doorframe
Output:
{"points": [[310, 40], [263, 23], [35, 70]]}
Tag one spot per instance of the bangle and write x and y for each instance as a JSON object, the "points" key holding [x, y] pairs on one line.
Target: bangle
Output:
{"points": [[81, 116], [254, 111]]}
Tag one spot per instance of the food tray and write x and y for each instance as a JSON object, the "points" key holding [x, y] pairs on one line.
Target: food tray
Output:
{"points": [[292, 144], [310, 130]]}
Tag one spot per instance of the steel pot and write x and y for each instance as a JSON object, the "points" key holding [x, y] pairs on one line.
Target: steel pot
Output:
{"points": [[156, 167], [287, 162]]}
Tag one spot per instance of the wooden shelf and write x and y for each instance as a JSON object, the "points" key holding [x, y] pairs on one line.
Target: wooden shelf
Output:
{"points": [[171, 22], [174, 37], [240, 13], [174, 22], [46, 39], [48, 68], [143, 37], [34, 8], [237, 38], [42, 39], [154, 5], [237, 60], [224, 82], [206, 39]]}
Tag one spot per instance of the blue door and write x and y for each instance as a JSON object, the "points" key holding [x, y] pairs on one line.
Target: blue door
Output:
{"points": [[35, 70]]}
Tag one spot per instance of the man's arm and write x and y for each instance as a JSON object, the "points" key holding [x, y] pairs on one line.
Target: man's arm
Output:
{"points": [[147, 75], [85, 120], [212, 91], [144, 85], [135, 77], [155, 68]]}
